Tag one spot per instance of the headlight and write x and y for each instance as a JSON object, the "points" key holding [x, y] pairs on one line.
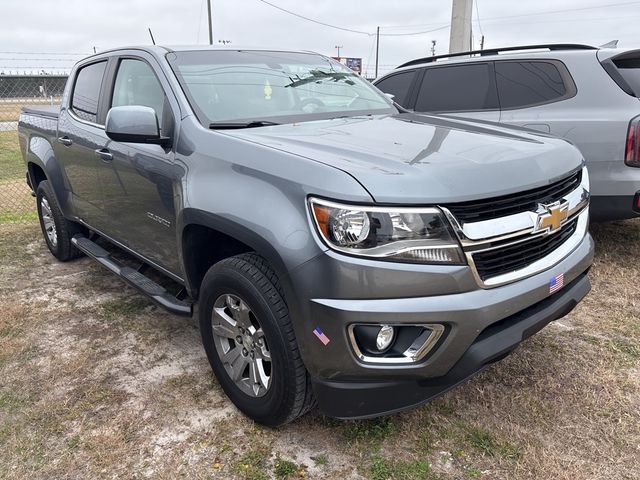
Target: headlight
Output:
{"points": [[417, 235]]}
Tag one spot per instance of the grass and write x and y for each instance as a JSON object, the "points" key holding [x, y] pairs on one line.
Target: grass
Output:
{"points": [[10, 108], [97, 382], [385, 469], [16, 203], [11, 164]]}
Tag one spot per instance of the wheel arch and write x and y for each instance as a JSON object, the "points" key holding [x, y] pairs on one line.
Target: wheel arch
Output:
{"points": [[207, 238]]}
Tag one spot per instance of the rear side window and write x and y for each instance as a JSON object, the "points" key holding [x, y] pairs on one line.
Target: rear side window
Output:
{"points": [[398, 85], [458, 88], [629, 68], [522, 84], [86, 91]]}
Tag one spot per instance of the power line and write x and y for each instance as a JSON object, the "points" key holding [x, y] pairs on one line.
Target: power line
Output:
{"points": [[565, 10], [361, 32], [44, 53], [312, 20], [549, 12], [442, 27]]}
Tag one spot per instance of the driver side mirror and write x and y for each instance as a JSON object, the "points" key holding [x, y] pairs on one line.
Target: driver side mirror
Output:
{"points": [[134, 124]]}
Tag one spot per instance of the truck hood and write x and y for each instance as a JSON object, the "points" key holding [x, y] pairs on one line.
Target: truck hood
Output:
{"points": [[420, 159]]}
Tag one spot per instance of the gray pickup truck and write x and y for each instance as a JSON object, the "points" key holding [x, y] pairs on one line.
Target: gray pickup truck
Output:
{"points": [[340, 251]]}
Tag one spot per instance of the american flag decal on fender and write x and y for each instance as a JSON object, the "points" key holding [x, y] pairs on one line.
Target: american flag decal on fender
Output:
{"points": [[556, 283], [321, 336]]}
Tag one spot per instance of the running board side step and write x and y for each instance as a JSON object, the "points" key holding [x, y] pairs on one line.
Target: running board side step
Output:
{"points": [[155, 292]]}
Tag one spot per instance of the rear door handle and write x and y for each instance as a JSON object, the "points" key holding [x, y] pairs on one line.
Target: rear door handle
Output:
{"points": [[66, 141], [104, 154]]}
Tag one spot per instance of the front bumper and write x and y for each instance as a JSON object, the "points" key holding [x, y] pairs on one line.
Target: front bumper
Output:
{"points": [[368, 399], [483, 325]]}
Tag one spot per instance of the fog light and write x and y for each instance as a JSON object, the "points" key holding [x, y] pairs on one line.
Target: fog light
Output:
{"points": [[385, 337]]}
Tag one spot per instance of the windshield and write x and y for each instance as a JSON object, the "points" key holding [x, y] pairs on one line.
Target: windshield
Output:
{"points": [[258, 88]]}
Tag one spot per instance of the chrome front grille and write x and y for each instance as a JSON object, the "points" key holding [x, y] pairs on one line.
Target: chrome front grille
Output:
{"points": [[516, 256], [506, 205], [505, 248]]}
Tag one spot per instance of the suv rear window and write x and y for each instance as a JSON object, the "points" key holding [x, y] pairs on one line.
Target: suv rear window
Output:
{"points": [[86, 91], [629, 68], [398, 85], [522, 84], [458, 88]]}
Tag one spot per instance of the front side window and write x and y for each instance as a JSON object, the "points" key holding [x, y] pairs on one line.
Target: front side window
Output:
{"points": [[136, 84], [278, 87], [86, 91], [523, 84], [457, 89], [398, 85]]}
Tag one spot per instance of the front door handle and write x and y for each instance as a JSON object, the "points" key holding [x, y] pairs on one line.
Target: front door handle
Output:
{"points": [[104, 154], [66, 141]]}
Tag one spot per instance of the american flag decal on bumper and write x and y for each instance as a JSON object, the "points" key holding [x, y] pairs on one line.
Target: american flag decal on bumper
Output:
{"points": [[556, 283]]}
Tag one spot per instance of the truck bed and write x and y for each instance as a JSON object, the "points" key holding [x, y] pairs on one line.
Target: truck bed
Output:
{"points": [[51, 111]]}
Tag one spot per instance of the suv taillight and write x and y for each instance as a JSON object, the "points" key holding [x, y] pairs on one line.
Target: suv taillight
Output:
{"points": [[632, 151]]}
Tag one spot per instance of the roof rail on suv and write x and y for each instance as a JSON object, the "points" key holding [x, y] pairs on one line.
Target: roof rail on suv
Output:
{"points": [[495, 51]]}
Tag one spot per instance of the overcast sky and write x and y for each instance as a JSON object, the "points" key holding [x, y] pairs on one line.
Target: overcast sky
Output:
{"points": [[33, 28]]}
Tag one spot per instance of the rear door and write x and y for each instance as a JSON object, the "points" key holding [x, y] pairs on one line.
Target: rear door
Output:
{"points": [[528, 88], [80, 134], [463, 90], [138, 180]]}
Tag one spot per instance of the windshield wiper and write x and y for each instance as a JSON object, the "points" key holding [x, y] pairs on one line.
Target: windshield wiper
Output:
{"points": [[232, 125]]}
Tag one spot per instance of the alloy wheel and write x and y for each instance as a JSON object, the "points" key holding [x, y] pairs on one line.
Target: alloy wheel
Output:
{"points": [[241, 345], [48, 222]]}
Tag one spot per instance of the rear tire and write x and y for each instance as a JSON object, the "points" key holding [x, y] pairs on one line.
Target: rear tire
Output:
{"points": [[249, 340], [56, 229]]}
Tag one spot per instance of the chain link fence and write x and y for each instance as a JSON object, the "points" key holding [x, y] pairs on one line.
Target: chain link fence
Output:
{"points": [[26, 79]]}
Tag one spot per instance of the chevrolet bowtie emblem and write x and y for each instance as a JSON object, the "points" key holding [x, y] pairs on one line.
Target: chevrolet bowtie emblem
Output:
{"points": [[551, 217]]}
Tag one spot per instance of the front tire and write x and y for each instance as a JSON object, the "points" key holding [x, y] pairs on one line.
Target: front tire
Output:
{"points": [[249, 340], [56, 229]]}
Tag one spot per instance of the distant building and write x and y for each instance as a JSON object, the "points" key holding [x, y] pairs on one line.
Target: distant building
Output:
{"points": [[31, 86]]}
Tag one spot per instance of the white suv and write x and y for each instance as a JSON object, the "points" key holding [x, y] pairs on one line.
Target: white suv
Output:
{"points": [[584, 94]]}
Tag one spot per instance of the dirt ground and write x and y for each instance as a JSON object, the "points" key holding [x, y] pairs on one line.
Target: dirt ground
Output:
{"points": [[96, 382]]}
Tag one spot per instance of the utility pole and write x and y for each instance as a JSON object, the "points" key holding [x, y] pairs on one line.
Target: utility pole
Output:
{"points": [[460, 38], [210, 24], [377, 49], [339, 47], [482, 43]]}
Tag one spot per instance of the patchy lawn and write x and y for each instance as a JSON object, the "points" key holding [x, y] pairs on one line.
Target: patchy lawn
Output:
{"points": [[97, 382], [16, 202], [11, 164]]}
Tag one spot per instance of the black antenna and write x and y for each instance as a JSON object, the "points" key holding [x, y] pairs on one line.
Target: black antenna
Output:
{"points": [[151, 35]]}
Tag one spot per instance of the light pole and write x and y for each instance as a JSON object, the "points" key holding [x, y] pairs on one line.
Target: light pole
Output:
{"points": [[339, 47], [210, 23]]}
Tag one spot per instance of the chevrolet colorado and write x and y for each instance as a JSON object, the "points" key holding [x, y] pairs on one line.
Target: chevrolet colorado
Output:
{"points": [[338, 251]]}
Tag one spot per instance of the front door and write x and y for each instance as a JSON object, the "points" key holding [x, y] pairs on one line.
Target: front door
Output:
{"points": [[138, 179]]}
